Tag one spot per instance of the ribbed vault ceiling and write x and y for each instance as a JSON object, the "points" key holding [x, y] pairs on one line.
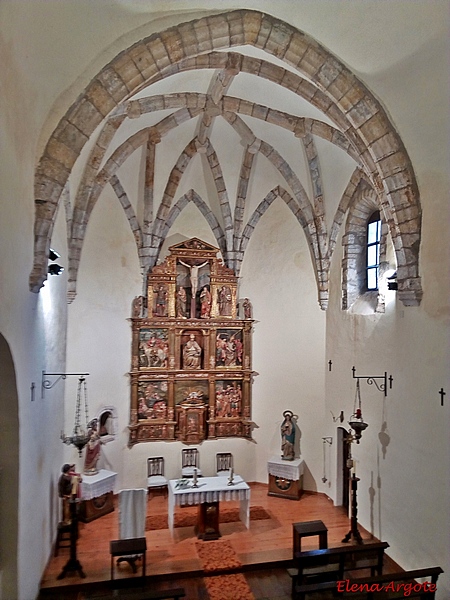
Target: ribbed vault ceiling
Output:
{"points": [[229, 122]]}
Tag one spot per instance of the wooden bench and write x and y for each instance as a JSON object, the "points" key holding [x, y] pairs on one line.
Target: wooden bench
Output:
{"points": [[128, 547], [332, 564], [390, 586]]}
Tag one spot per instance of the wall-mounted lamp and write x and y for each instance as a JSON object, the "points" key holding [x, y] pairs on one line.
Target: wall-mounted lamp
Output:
{"points": [[357, 422], [53, 255], [54, 269], [392, 282], [82, 430]]}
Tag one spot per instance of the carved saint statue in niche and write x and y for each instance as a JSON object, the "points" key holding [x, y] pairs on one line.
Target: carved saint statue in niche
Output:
{"points": [[161, 300], [137, 307], [247, 305], [192, 353], [205, 303], [181, 303], [225, 298]]}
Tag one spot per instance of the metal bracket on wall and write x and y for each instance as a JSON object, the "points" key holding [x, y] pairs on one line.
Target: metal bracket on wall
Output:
{"points": [[47, 384], [371, 379]]}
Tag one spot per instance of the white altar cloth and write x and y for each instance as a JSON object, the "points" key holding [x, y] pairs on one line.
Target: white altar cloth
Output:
{"points": [[210, 489], [288, 469], [93, 486]]}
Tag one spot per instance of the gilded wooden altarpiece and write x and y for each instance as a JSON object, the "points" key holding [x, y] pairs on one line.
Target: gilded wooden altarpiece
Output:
{"points": [[191, 371]]}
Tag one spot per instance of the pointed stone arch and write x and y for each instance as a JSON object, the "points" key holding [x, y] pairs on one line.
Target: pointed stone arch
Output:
{"points": [[9, 490], [380, 148], [180, 205], [363, 203]]}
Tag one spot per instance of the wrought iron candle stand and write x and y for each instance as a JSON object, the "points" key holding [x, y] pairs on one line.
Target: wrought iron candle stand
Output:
{"points": [[358, 425], [73, 564], [354, 531]]}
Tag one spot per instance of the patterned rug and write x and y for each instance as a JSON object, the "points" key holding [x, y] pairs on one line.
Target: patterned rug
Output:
{"points": [[188, 517], [219, 556]]}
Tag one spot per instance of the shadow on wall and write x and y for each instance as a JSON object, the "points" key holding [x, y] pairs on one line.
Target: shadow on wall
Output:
{"points": [[309, 483], [9, 473], [297, 445], [374, 492]]}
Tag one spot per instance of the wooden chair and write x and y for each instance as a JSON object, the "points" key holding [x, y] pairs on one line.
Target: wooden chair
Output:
{"points": [[190, 458], [62, 536], [131, 545], [155, 475], [224, 463]]}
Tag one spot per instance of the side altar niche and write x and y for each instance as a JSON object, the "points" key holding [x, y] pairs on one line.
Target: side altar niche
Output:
{"points": [[191, 367]]}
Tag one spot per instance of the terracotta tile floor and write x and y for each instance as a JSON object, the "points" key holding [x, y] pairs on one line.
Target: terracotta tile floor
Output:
{"points": [[266, 541]]}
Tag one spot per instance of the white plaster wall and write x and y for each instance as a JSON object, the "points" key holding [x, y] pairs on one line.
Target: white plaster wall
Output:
{"points": [[99, 335], [288, 339], [34, 328], [47, 57], [404, 493], [403, 457]]}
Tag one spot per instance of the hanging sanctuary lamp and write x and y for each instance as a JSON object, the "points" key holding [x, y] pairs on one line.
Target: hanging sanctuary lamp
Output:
{"points": [[80, 435]]}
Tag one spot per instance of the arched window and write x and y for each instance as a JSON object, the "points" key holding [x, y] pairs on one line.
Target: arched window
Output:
{"points": [[107, 423], [373, 241], [368, 254]]}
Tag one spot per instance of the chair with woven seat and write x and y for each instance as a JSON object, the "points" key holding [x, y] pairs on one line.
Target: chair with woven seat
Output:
{"points": [[155, 475], [190, 459], [224, 463]]}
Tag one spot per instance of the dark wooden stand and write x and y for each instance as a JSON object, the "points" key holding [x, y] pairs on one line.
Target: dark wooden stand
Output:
{"points": [[73, 564], [207, 527], [96, 507], [354, 532], [285, 488]]}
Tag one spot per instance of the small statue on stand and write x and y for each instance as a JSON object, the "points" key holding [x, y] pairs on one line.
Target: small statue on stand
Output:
{"points": [[68, 490], [247, 306], [137, 307], [288, 436], [92, 449]]}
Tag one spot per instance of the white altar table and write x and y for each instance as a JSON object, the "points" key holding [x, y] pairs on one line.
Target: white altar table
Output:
{"points": [[94, 486], [290, 469], [210, 489], [285, 477], [97, 495]]}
